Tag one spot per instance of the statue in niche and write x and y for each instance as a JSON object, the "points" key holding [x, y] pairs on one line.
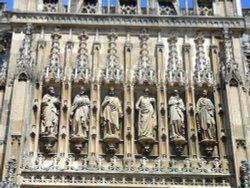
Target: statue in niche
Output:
{"points": [[79, 116], [176, 109], [50, 113], [111, 112], [147, 117], [205, 117]]}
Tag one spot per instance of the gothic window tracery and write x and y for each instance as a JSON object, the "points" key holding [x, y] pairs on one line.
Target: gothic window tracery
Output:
{"points": [[205, 8], [89, 6], [128, 7], [50, 5], [166, 8]]}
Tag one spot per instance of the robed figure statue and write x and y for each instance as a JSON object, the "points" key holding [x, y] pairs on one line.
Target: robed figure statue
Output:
{"points": [[110, 114], [50, 113], [205, 117], [146, 117], [176, 109], [79, 116]]}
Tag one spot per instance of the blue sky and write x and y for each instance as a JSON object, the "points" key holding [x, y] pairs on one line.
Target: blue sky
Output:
{"points": [[245, 3]]}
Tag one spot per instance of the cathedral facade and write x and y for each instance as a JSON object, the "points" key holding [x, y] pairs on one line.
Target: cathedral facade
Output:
{"points": [[138, 93]]}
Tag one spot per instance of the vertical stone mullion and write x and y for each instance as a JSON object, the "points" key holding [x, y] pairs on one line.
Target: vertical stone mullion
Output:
{"points": [[132, 120], [190, 104], [37, 98], [128, 100], [161, 100], [220, 128], [95, 98]]}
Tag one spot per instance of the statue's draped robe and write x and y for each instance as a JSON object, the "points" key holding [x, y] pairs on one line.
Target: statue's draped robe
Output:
{"points": [[80, 110], [111, 112], [50, 114], [176, 116], [205, 111], [147, 117]]}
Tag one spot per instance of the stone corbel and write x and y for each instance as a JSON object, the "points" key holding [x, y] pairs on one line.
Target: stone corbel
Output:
{"points": [[220, 111], [63, 133], [223, 135], [163, 134], [93, 132], [41, 44], [69, 45], [128, 108], [65, 106], [193, 135], [16, 137], [94, 107], [33, 131], [191, 109], [162, 109], [129, 133], [35, 105], [241, 143]]}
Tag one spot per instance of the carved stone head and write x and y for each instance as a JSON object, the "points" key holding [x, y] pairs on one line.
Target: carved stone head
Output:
{"points": [[51, 90], [204, 93], [111, 91], [82, 90]]}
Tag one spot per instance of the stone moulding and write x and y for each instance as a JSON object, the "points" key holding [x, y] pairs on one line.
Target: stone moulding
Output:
{"points": [[123, 179], [123, 20]]}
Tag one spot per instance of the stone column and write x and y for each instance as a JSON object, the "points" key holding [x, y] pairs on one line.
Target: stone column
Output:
{"points": [[190, 102], [161, 100], [214, 55], [63, 133], [96, 100], [128, 100]]}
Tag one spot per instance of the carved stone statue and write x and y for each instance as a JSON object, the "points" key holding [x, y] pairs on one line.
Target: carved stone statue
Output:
{"points": [[111, 112], [147, 116], [50, 113], [177, 128], [205, 117], [79, 116]]}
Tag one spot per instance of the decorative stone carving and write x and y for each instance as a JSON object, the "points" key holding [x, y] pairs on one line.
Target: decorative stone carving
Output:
{"points": [[202, 73], [50, 7], [245, 174], [79, 120], [175, 72], [82, 71], [5, 41], [3, 74], [230, 69], [49, 120], [88, 7], [128, 7], [205, 10], [112, 70], [10, 175], [111, 114], [206, 122], [53, 70], [145, 71], [146, 121], [25, 62], [166, 8], [177, 126], [246, 50]]}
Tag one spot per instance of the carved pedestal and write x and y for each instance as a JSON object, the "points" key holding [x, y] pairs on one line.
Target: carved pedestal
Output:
{"points": [[178, 142], [147, 144], [208, 145], [111, 142], [47, 142], [77, 142]]}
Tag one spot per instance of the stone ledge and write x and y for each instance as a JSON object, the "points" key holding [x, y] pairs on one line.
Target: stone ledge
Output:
{"points": [[66, 19], [124, 180]]}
